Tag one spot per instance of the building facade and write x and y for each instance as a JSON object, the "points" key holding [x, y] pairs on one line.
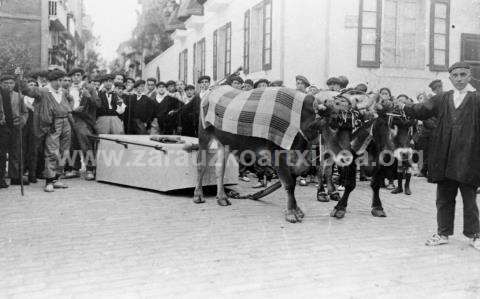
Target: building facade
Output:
{"points": [[401, 44], [51, 30]]}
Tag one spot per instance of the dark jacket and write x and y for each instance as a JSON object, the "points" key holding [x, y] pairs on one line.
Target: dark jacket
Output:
{"points": [[103, 108], [168, 123], [142, 110], [188, 116], [455, 142]]}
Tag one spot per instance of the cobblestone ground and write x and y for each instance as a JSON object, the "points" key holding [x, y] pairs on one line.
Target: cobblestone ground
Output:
{"points": [[98, 240]]}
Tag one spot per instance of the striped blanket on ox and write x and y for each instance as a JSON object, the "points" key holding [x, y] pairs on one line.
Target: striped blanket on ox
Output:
{"points": [[271, 113]]}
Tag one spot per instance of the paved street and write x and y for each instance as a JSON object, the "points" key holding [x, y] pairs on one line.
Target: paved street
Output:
{"points": [[99, 240]]}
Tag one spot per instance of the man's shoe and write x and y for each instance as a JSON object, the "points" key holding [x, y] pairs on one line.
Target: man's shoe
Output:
{"points": [[89, 176], [49, 188], [59, 185], [397, 190], [71, 174], [475, 242], [3, 184], [436, 240], [33, 180]]}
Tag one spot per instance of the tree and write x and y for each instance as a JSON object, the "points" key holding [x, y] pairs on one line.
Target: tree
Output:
{"points": [[92, 61], [13, 54]]}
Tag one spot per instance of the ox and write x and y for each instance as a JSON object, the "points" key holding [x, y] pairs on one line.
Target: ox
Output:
{"points": [[289, 164], [388, 149]]}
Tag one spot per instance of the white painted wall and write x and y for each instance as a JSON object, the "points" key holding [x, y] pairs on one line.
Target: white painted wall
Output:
{"points": [[310, 37]]}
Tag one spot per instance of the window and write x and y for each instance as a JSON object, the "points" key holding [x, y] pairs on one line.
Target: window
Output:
{"points": [[439, 35], [267, 35], [246, 42], [222, 52], [403, 42], [198, 59], [258, 38], [369, 29], [183, 65]]}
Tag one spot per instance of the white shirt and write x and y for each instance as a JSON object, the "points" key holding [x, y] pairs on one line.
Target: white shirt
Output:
{"points": [[75, 94], [57, 94], [159, 98], [459, 95], [203, 93]]}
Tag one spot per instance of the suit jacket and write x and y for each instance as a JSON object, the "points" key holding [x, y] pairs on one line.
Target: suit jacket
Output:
{"points": [[455, 142], [103, 107]]}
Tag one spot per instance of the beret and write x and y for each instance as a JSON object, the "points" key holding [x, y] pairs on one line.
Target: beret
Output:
{"points": [[106, 77], [55, 75], [76, 70], [130, 79], [261, 81], [459, 65], [249, 82], [204, 78], [171, 82], [303, 79], [138, 83], [161, 83], [278, 83], [333, 80], [189, 87], [7, 77], [233, 78], [96, 79]]}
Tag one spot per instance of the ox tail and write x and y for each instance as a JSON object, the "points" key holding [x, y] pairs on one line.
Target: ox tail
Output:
{"points": [[261, 193]]}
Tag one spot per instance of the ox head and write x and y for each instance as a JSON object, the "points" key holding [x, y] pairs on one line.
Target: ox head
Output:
{"points": [[342, 114], [394, 131]]}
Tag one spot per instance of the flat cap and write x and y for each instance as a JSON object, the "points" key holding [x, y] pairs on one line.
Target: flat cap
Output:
{"points": [[7, 77], [161, 83], [459, 65], [189, 87], [76, 70], [303, 79], [434, 82], [119, 85], [205, 77], [106, 77], [130, 79], [138, 83], [55, 75], [333, 80]]}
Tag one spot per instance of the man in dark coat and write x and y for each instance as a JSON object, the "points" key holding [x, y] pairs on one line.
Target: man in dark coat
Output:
{"points": [[169, 124], [454, 160], [140, 111], [189, 114]]}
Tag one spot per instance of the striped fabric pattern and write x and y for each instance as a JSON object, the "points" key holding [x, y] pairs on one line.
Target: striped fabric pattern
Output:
{"points": [[272, 113]]}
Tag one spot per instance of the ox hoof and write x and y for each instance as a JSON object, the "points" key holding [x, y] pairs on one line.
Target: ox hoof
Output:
{"points": [[335, 196], [198, 199], [322, 197], [378, 212], [339, 214], [299, 213], [291, 216], [223, 202]]}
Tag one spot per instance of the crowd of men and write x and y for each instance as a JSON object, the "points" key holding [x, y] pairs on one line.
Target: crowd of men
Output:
{"points": [[55, 113], [50, 114]]}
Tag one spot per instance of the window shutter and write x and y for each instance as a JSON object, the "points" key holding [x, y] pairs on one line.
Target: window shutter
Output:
{"points": [[246, 42], [228, 48], [215, 45]]}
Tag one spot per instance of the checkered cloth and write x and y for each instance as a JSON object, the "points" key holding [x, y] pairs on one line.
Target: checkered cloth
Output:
{"points": [[271, 113]]}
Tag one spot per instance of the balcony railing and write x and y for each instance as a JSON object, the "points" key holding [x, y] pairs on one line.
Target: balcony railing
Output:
{"points": [[57, 12]]}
